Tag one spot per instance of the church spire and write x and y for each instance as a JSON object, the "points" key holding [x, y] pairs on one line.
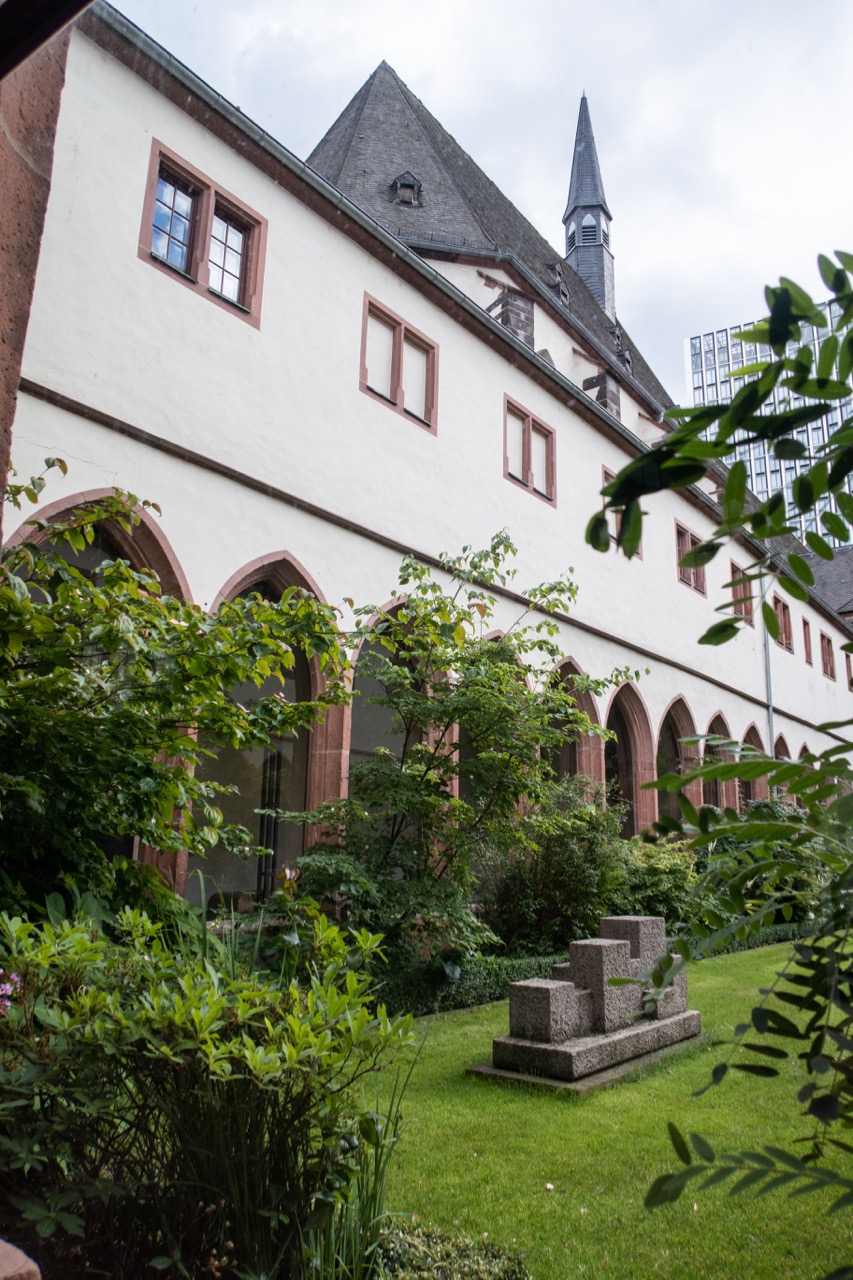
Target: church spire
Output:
{"points": [[587, 218]]}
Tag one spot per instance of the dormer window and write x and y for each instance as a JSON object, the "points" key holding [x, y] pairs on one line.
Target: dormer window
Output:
{"points": [[572, 237], [589, 230], [407, 189]]}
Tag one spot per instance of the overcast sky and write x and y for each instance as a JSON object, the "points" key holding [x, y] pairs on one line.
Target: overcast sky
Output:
{"points": [[722, 129]]}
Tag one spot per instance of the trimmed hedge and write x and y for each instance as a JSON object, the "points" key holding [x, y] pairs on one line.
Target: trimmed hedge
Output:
{"points": [[426, 989], [761, 938], [429, 989]]}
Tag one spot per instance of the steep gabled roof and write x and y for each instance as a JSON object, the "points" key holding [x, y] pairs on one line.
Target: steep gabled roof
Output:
{"points": [[585, 185], [384, 131], [833, 579]]}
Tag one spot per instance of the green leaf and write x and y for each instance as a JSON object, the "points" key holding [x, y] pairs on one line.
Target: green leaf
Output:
{"points": [[803, 492], [597, 532], [819, 546], [833, 276], [789, 449], [801, 568], [735, 491], [793, 587], [827, 356], [720, 632], [631, 529], [835, 526], [771, 621], [682, 1150]]}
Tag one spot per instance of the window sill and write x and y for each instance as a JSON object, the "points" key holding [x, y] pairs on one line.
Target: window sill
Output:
{"points": [[238, 306], [164, 262]]}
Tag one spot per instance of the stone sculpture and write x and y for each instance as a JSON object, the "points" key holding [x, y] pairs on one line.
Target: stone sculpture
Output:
{"points": [[576, 1023]]}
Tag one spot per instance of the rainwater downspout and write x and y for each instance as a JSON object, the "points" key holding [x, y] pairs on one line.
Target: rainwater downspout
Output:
{"points": [[768, 677]]}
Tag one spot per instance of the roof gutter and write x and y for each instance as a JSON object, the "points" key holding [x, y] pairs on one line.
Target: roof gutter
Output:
{"points": [[122, 26]]}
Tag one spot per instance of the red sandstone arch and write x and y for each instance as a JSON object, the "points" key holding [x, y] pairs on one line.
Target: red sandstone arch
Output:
{"points": [[721, 794], [632, 758], [677, 724], [750, 789], [586, 754], [328, 745], [781, 750], [145, 546]]}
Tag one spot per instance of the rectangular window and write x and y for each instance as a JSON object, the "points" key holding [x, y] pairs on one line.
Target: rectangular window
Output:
{"points": [[173, 220], [783, 614], [227, 255], [199, 234], [529, 452], [741, 594], [685, 541], [827, 657], [849, 665], [807, 641], [399, 365]]}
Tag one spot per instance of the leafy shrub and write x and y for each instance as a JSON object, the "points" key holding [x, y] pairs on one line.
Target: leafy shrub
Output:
{"points": [[656, 880], [475, 724], [419, 1254], [112, 694], [557, 889], [163, 1109]]}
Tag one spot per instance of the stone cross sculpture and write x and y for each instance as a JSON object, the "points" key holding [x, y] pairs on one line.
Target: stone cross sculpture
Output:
{"points": [[575, 1023]]}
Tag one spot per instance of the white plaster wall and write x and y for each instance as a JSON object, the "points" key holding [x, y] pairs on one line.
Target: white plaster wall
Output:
{"points": [[282, 405]]}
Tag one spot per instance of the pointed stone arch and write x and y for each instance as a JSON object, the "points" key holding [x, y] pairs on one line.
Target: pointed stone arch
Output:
{"points": [[675, 756], [781, 750], [585, 755], [721, 793], [145, 545], [750, 789], [630, 759]]}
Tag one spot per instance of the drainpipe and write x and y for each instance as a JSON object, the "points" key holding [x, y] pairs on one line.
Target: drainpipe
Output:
{"points": [[768, 679]]}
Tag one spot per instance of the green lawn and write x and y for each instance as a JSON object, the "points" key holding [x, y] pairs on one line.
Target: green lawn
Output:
{"points": [[475, 1156]]}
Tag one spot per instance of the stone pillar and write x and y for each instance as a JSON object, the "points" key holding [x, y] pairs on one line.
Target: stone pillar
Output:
{"points": [[29, 109]]}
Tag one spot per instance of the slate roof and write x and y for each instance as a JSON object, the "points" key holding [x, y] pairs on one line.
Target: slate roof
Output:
{"points": [[384, 131], [834, 579], [585, 185]]}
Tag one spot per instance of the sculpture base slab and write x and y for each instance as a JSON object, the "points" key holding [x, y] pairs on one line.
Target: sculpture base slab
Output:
{"points": [[588, 1084], [590, 1055]]}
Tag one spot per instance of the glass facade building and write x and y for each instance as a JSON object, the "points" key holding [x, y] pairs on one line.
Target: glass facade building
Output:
{"points": [[713, 360]]}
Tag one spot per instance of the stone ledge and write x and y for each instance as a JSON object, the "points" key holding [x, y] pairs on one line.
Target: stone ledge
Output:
{"points": [[598, 1080], [587, 1055]]}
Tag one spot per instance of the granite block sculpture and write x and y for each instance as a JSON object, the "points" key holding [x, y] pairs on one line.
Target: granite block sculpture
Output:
{"points": [[577, 1022]]}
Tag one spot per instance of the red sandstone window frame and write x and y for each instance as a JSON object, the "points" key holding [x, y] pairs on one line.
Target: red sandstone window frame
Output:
{"points": [[742, 603], [827, 657], [685, 541], [807, 641], [782, 609], [403, 333], [208, 199], [848, 662], [531, 425]]}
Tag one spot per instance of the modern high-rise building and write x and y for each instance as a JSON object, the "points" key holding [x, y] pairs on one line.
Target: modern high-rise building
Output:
{"points": [[712, 361]]}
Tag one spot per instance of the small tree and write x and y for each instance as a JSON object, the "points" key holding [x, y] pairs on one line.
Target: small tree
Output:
{"points": [[107, 689], [753, 865], [477, 718]]}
